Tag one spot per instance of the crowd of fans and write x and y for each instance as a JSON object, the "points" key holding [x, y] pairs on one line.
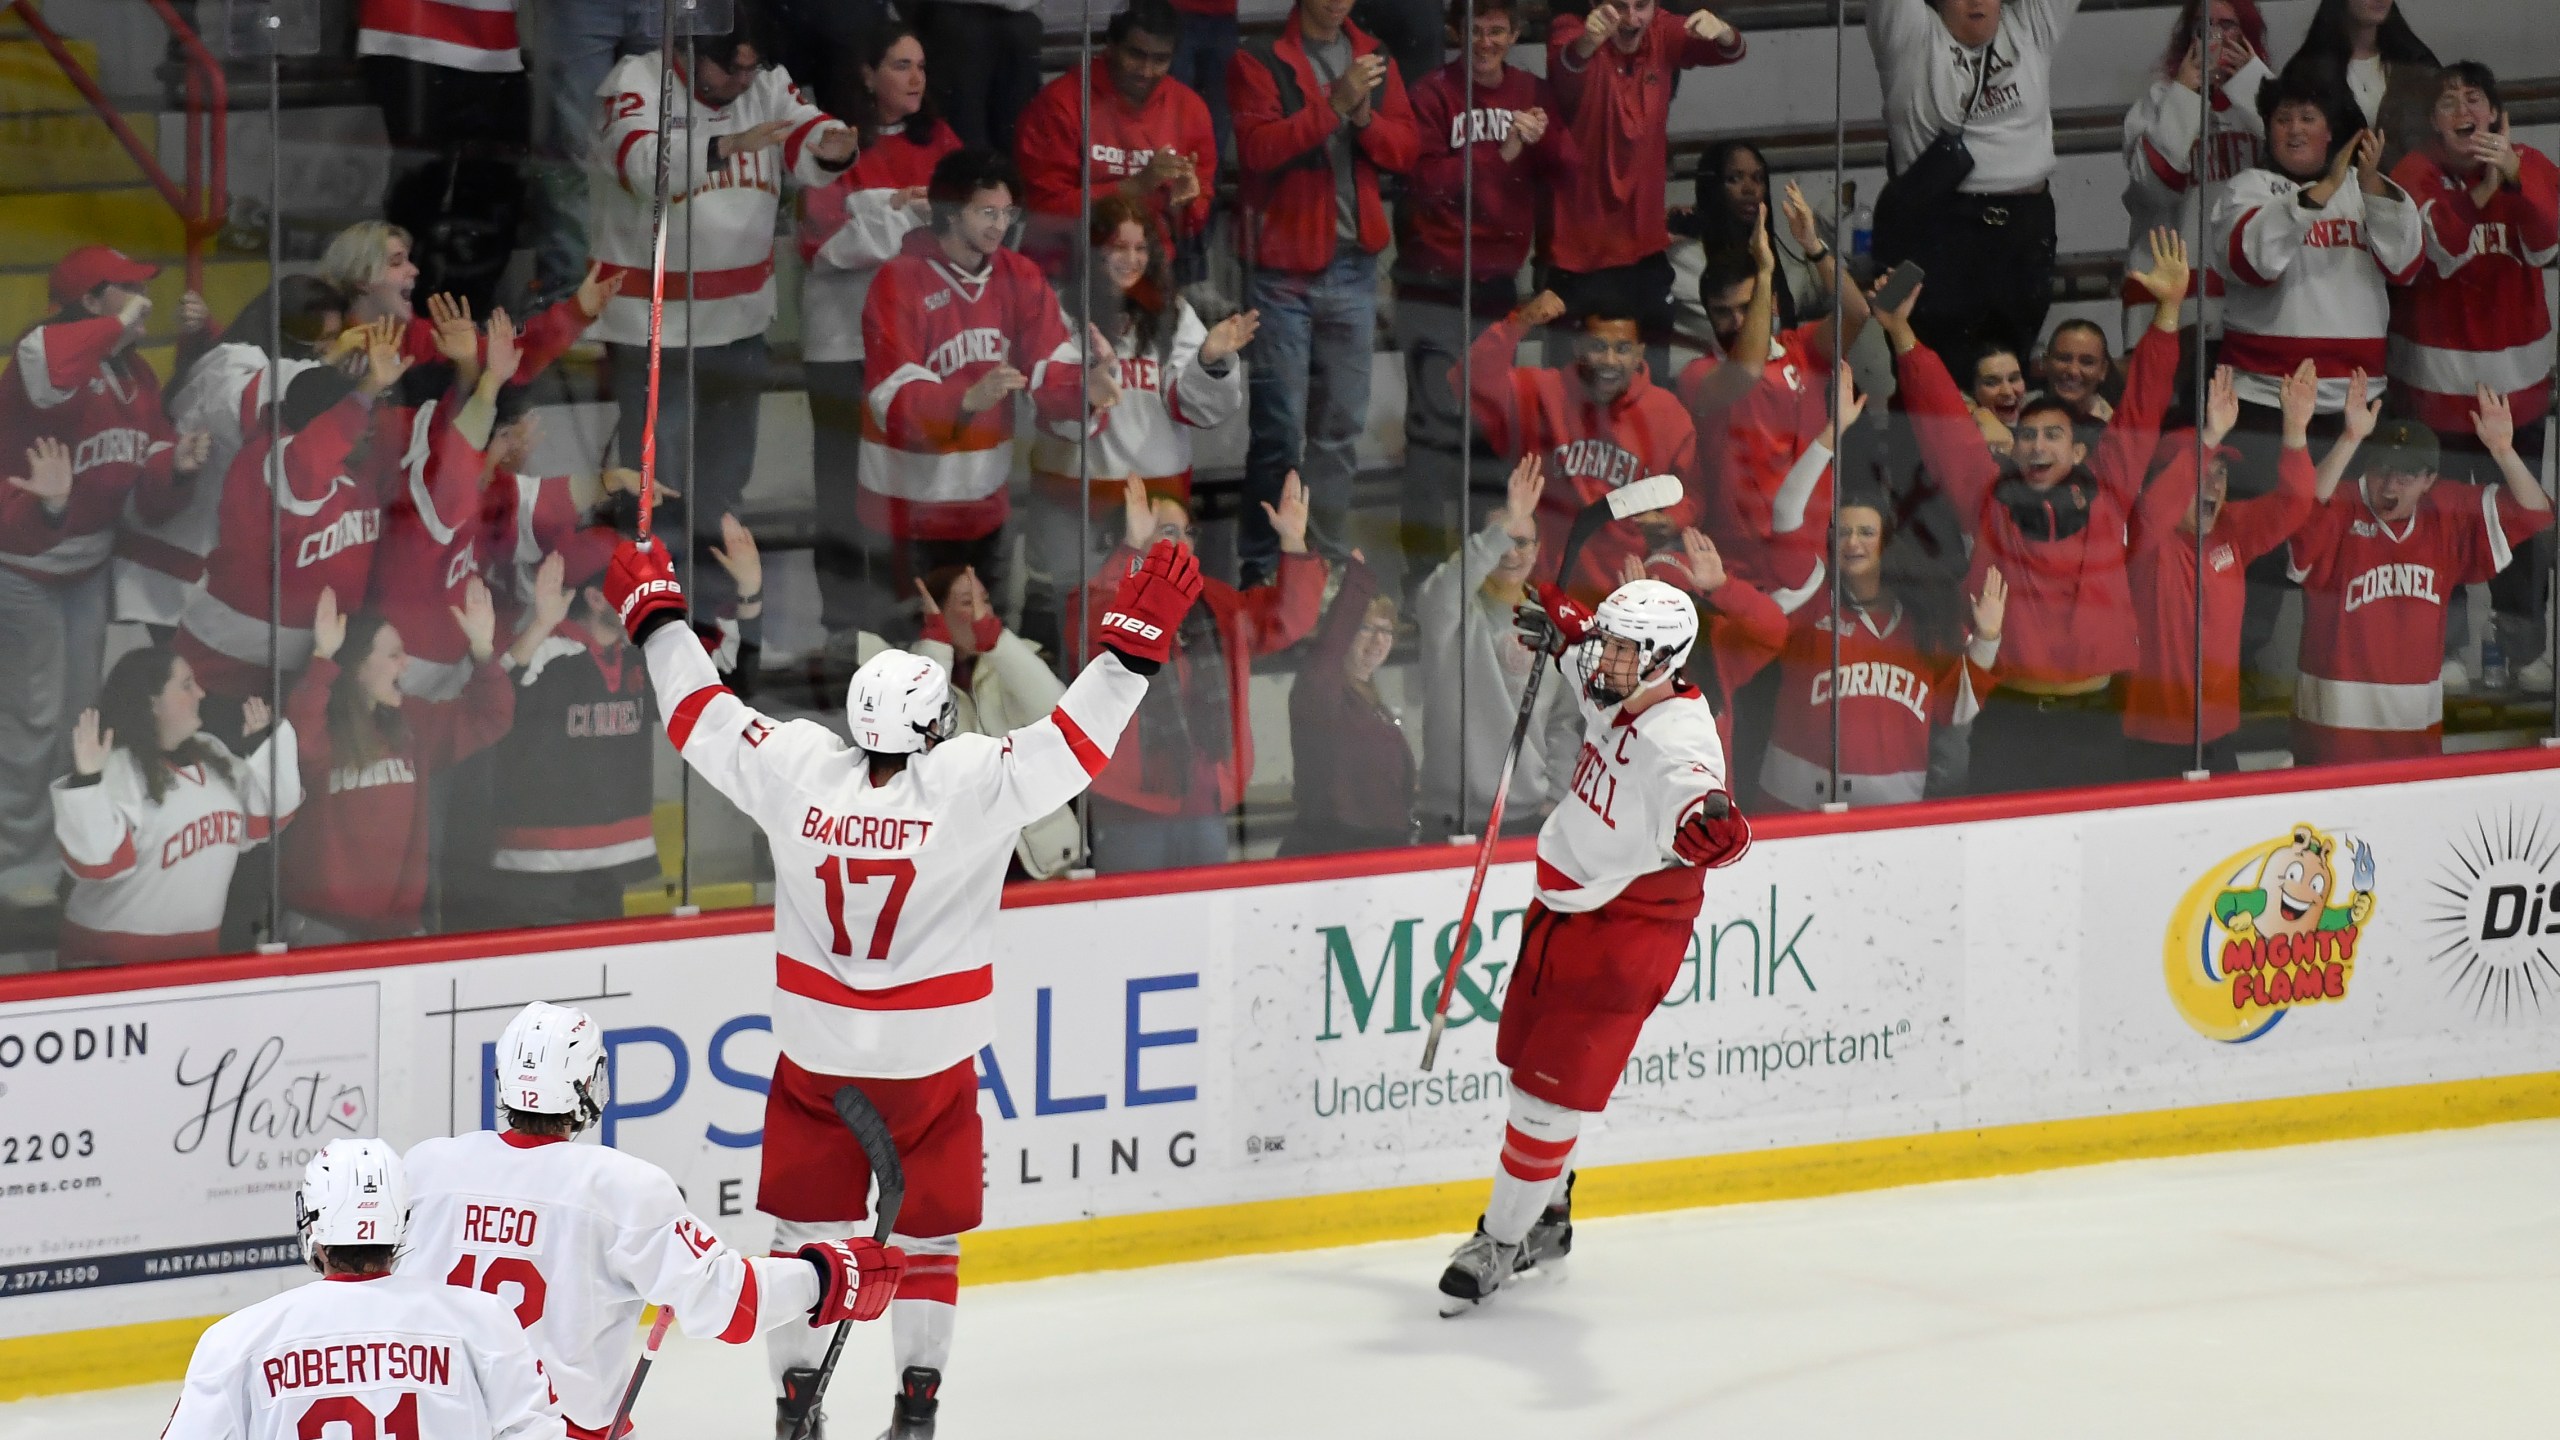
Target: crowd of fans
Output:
{"points": [[348, 611]]}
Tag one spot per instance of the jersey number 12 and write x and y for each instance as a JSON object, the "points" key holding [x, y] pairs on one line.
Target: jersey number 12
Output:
{"points": [[841, 874]]}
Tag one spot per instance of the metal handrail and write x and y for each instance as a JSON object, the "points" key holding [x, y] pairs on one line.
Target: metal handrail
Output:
{"points": [[202, 202]]}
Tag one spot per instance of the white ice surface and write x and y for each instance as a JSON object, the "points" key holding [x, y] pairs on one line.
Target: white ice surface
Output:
{"points": [[2398, 1287]]}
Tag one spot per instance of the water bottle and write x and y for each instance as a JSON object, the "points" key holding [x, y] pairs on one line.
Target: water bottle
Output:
{"points": [[1862, 221], [2494, 675]]}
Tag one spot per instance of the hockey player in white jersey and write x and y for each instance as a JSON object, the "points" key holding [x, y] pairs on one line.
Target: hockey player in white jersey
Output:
{"points": [[1621, 873], [377, 1354], [889, 859], [579, 1237]]}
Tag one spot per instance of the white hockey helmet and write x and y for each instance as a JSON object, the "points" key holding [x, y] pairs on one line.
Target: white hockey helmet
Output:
{"points": [[551, 1061], [1660, 621], [900, 703], [353, 1193]]}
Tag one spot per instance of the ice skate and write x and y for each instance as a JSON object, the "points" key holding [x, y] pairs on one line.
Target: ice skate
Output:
{"points": [[1550, 1240], [1477, 1270], [799, 1394], [911, 1411]]}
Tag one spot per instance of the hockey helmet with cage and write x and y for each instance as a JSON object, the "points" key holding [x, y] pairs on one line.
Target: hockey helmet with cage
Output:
{"points": [[551, 1061], [900, 704], [1659, 621], [353, 1193]]}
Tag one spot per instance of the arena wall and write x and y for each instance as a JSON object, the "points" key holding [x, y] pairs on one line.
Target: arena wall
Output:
{"points": [[1223, 1061]]}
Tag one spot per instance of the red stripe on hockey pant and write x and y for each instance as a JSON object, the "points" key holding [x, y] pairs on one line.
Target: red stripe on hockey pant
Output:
{"points": [[117, 864], [1525, 1157], [689, 713], [742, 1321], [1087, 754], [811, 983], [931, 1277]]}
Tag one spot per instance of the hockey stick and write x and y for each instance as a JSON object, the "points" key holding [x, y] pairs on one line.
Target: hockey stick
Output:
{"points": [[658, 257], [621, 1425], [1654, 492], [872, 1134]]}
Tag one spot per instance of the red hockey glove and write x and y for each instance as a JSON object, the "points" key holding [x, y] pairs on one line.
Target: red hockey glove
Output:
{"points": [[856, 1278], [1554, 624], [1713, 833], [640, 585], [1152, 599]]}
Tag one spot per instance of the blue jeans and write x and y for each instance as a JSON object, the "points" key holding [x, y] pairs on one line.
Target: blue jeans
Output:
{"points": [[1200, 55], [1309, 388], [1126, 840], [571, 46]]}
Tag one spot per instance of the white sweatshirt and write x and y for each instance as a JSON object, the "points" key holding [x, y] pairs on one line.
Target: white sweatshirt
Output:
{"points": [[1929, 78]]}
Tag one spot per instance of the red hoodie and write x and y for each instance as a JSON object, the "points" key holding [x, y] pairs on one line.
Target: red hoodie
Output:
{"points": [[1282, 147], [356, 857], [1590, 450], [2160, 701], [1124, 140], [1619, 106], [2071, 616], [1509, 193]]}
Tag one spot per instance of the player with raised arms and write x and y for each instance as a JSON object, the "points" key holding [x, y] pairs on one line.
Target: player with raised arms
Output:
{"points": [[889, 857], [579, 1237], [1622, 864], [381, 1354]]}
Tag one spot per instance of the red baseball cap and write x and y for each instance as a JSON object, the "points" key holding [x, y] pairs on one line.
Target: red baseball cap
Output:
{"points": [[91, 266]]}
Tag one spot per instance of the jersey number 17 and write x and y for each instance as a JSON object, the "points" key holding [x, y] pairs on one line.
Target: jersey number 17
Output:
{"points": [[840, 875]]}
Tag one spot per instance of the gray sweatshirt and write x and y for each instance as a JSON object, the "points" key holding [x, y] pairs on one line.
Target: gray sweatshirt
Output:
{"points": [[1458, 620]]}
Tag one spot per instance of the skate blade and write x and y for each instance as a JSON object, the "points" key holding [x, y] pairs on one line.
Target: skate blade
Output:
{"points": [[1451, 1306]]}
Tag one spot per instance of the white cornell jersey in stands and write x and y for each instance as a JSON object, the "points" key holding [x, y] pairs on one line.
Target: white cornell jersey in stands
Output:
{"points": [[884, 895], [1633, 784], [728, 271], [364, 1357], [577, 1238], [149, 872]]}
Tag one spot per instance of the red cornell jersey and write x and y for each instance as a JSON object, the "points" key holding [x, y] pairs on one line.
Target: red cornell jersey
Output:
{"points": [[2476, 314], [431, 541], [1751, 449], [1590, 449], [365, 1356], [2373, 598], [1510, 195], [2160, 700], [69, 382], [930, 471], [1890, 696], [884, 895], [577, 1238], [329, 522]]}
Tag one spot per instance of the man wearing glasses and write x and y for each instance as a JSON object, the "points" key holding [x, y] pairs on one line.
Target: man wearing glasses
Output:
{"points": [[747, 128], [954, 327]]}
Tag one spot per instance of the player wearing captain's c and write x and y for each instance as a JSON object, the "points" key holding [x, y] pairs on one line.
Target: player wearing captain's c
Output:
{"points": [[889, 861], [1620, 877]]}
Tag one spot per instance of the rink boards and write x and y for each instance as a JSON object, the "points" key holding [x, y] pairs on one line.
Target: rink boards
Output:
{"points": [[1226, 1060]]}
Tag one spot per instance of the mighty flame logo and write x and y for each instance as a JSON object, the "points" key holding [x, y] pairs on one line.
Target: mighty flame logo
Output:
{"points": [[2266, 929]]}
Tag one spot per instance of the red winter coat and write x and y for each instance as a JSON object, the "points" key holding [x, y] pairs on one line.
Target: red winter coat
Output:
{"points": [[1250, 623], [1282, 149], [1619, 107], [2160, 700]]}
